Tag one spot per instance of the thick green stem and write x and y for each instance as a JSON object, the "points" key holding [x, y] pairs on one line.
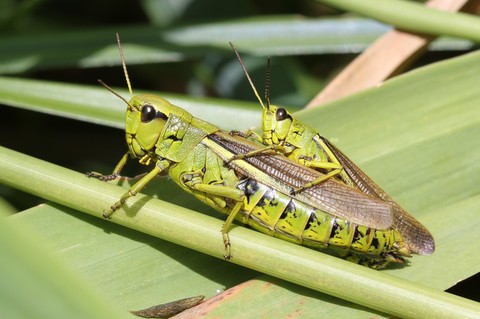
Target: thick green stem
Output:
{"points": [[275, 257]]}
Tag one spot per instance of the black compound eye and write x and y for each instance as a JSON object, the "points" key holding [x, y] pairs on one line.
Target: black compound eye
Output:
{"points": [[149, 113], [281, 114]]}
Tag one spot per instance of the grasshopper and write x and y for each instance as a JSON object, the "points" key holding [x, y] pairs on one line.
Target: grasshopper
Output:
{"points": [[283, 133], [204, 161]]}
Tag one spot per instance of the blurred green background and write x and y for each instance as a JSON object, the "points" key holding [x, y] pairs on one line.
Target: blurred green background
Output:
{"points": [[176, 47]]}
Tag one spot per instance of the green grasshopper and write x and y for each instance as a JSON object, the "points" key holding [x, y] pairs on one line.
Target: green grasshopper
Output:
{"points": [[283, 133], [202, 160]]}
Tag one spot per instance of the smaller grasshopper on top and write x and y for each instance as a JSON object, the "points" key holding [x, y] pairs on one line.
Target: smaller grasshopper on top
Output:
{"points": [[282, 132]]}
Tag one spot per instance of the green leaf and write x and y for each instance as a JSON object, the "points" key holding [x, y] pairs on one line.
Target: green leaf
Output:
{"points": [[260, 35], [36, 284], [96, 105], [414, 17], [415, 135]]}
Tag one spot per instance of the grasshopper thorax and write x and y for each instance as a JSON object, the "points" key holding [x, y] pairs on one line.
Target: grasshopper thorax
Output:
{"points": [[156, 129]]}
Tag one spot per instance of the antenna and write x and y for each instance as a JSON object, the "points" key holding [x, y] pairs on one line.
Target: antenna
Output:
{"points": [[124, 66], [248, 76], [126, 76], [267, 84], [114, 93]]}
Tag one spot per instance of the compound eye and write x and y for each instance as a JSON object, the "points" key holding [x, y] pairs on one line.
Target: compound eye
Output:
{"points": [[281, 114], [148, 113]]}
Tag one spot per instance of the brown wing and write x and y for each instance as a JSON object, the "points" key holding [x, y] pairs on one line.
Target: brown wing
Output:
{"points": [[415, 234], [283, 174]]}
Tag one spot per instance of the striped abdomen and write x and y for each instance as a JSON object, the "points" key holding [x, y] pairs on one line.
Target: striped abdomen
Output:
{"points": [[279, 215]]}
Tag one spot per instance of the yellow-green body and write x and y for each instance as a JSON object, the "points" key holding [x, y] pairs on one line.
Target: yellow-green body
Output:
{"points": [[256, 191], [273, 212], [303, 144]]}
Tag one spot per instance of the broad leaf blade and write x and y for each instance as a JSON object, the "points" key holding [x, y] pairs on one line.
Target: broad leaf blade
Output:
{"points": [[415, 154], [260, 35]]}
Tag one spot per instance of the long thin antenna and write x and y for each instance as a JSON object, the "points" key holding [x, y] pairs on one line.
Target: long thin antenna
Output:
{"points": [[246, 73], [267, 84], [124, 66], [116, 94]]}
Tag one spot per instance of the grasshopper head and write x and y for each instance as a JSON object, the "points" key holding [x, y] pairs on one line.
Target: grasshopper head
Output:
{"points": [[146, 118], [276, 125]]}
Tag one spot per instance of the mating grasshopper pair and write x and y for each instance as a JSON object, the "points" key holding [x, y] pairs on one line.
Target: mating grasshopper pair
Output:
{"points": [[294, 185]]}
